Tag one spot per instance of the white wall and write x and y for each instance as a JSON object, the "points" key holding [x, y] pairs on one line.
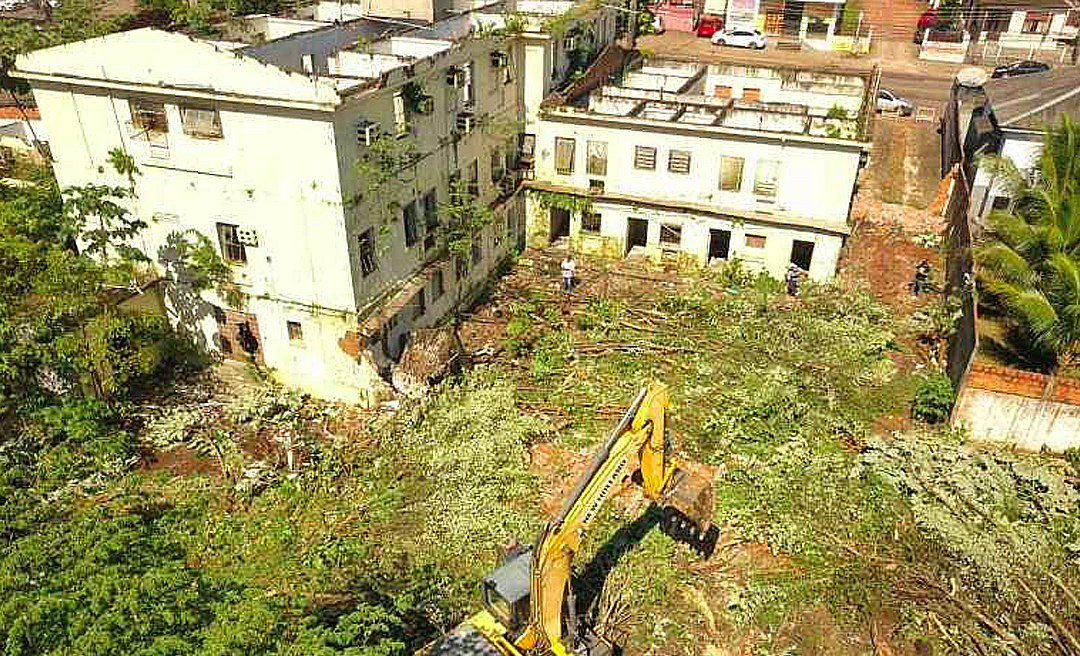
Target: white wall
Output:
{"points": [[815, 180], [695, 227], [1023, 149]]}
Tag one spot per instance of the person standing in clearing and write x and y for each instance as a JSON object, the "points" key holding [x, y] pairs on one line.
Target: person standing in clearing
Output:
{"points": [[792, 278], [568, 267]]}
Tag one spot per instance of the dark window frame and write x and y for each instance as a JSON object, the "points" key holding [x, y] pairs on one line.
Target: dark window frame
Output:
{"points": [[369, 263], [232, 250]]}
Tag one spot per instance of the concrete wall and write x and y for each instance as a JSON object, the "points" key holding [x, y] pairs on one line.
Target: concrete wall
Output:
{"points": [[815, 180], [1003, 405], [612, 241], [1023, 149]]}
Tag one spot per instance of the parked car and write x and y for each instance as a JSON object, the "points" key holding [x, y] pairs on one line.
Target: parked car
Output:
{"points": [[1020, 68], [709, 25], [741, 37], [887, 101]]}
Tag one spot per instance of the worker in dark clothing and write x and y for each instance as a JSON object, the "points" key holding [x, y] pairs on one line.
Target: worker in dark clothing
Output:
{"points": [[922, 277], [792, 278], [248, 341]]}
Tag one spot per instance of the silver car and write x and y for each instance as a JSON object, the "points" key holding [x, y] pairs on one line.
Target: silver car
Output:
{"points": [[887, 101]]}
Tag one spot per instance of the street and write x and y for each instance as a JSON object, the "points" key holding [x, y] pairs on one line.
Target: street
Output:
{"points": [[919, 90]]}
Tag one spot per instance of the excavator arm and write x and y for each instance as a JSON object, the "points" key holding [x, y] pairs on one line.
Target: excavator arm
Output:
{"points": [[525, 595], [640, 436]]}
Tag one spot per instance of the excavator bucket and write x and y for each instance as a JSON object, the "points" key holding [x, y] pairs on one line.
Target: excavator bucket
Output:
{"points": [[688, 507]]}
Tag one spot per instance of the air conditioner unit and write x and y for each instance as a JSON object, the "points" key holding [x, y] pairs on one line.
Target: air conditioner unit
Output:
{"points": [[498, 58], [367, 132], [247, 237], [466, 121], [425, 105]]}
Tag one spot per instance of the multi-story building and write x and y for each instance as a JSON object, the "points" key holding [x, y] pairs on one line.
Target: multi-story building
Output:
{"points": [[321, 164], [706, 161]]}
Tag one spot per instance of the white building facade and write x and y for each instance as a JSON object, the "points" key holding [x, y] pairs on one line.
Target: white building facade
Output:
{"points": [[321, 170], [703, 163]]}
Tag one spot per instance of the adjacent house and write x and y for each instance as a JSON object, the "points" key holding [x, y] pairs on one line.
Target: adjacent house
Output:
{"points": [[321, 164], [22, 136], [1024, 28], [702, 162], [1009, 117]]}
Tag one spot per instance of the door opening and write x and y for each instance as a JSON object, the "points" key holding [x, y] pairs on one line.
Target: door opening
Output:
{"points": [[560, 224], [637, 233], [719, 244], [802, 253]]}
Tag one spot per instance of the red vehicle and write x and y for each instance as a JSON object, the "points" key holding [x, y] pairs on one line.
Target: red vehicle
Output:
{"points": [[709, 24]]}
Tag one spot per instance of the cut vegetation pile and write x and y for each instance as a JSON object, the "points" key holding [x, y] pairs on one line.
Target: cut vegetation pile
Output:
{"points": [[835, 540]]}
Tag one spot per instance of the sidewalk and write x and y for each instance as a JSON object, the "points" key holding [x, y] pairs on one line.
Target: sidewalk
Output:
{"points": [[892, 56]]}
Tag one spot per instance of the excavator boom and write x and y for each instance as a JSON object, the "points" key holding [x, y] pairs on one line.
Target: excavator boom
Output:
{"points": [[525, 595]]}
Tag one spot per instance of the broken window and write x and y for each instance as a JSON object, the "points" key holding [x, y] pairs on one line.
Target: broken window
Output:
{"points": [[201, 122], [438, 285], [590, 222], [431, 220], [296, 331], [147, 117], [596, 157], [731, 169], [474, 179], [232, 250], [645, 158], [679, 161], [755, 241], [670, 235], [368, 263], [496, 164], [468, 91], [408, 214], [401, 120], [1000, 203], [768, 170], [527, 148], [564, 155], [419, 305]]}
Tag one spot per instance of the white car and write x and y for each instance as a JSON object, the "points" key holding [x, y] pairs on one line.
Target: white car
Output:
{"points": [[741, 37], [887, 101]]}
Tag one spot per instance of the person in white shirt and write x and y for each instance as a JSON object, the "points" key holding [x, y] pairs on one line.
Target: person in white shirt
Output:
{"points": [[568, 267]]}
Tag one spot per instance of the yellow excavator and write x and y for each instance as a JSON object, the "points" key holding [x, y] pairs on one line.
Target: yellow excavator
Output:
{"points": [[525, 596]]}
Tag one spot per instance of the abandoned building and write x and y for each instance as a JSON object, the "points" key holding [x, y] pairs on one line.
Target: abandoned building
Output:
{"points": [[702, 161], [321, 165]]}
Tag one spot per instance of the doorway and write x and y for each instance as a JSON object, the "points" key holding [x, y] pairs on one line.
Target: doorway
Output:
{"points": [[802, 253], [560, 224], [719, 244], [637, 233]]}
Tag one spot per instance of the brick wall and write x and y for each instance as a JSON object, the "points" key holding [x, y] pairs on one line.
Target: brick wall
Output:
{"points": [[1022, 383]]}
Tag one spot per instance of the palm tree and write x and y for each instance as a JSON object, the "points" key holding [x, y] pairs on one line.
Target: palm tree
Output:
{"points": [[1029, 265]]}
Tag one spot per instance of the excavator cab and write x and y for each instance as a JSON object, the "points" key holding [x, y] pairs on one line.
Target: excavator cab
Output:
{"points": [[506, 590]]}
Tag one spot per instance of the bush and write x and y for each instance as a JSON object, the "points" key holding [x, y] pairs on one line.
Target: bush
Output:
{"points": [[933, 400]]}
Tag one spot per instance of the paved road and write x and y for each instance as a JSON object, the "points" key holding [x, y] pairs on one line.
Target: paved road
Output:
{"points": [[919, 90]]}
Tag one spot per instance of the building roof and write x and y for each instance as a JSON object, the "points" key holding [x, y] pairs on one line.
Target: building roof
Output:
{"points": [[16, 114], [1033, 101], [1021, 5], [173, 63]]}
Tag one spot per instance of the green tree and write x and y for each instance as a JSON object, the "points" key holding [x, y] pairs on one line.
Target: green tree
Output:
{"points": [[1030, 264]]}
